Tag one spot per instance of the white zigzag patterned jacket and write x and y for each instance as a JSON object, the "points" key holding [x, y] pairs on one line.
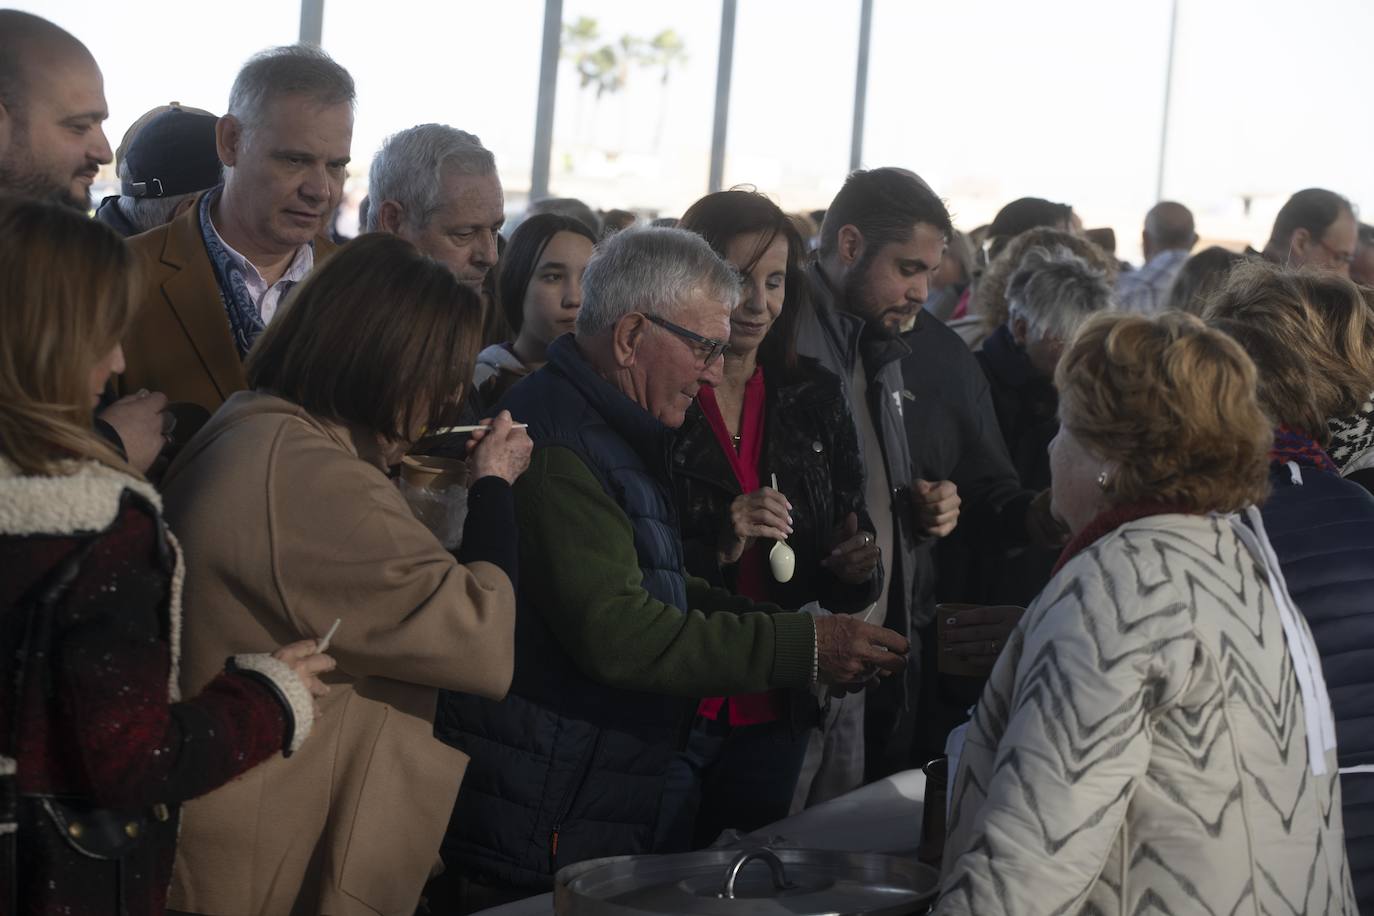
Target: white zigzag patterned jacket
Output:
{"points": [[1141, 746]]}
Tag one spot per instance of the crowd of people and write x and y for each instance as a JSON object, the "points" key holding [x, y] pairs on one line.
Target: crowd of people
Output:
{"points": [[760, 507]]}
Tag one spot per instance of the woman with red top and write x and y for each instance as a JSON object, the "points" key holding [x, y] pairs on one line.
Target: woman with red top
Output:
{"points": [[775, 414], [97, 748]]}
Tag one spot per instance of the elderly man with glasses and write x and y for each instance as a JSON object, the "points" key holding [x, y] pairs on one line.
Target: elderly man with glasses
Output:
{"points": [[614, 642]]}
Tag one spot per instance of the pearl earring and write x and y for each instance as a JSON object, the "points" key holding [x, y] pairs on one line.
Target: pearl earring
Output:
{"points": [[1102, 479]]}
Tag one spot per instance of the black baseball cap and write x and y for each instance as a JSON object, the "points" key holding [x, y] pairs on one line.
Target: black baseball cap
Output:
{"points": [[173, 153]]}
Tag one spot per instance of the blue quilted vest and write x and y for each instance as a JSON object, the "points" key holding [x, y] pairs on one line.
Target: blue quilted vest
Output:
{"points": [[566, 769]]}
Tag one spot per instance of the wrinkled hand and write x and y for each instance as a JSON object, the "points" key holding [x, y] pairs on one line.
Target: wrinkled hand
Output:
{"points": [[308, 664], [764, 513], [138, 420], [936, 506], [856, 555], [1042, 527], [851, 653], [499, 450], [978, 634]]}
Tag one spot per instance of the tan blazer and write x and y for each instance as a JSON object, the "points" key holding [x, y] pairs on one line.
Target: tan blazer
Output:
{"points": [[180, 342], [289, 522]]}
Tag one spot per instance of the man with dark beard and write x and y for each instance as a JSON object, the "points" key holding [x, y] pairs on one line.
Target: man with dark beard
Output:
{"points": [[883, 235], [52, 105]]}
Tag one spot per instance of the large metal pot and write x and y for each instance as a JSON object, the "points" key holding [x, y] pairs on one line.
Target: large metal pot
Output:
{"points": [[747, 882]]}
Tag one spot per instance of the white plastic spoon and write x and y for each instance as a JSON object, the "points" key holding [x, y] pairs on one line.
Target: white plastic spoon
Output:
{"points": [[782, 560]]}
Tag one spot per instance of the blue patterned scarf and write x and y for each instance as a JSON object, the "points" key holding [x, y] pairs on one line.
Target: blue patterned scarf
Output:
{"points": [[245, 321]]}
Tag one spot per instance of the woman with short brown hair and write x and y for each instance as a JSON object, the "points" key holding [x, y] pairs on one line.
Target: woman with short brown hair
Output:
{"points": [[1309, 334], [284, 498], [1131, 750]]}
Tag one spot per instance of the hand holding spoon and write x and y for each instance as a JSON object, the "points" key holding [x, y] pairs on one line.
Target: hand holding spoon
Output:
{"points": [[782, 560]]}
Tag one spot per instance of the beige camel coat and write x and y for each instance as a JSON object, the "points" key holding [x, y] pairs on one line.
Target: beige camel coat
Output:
{"points": [[289, 522]]}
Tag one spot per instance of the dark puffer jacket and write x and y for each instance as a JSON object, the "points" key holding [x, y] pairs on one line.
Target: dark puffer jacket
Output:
{"points": [[809, 442], [565, 761], [1323, 532], [609, 660]]}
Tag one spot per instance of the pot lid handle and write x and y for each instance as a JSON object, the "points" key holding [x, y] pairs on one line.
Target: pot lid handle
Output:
{"points": [[780, 881]]}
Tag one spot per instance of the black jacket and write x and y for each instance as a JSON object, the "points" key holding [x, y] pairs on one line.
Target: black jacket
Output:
{"points": [[1323, 533], [1027, 408], [810, 444], [954, 435], [1026, 404]]}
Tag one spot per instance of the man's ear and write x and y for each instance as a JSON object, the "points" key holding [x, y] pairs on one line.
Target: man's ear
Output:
{"points": [[1020, 329], [849, 245], [1299, 243], [228, 139], [390, 217], [626, 337]]}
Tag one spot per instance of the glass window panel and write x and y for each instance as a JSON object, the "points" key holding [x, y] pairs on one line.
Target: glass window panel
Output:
{"points": [[638, 133], [474, 66], [792, 98], [991, 100], [157, 51], [1267, 102]]}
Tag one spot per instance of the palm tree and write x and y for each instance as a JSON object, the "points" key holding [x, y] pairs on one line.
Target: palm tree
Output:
{"points": [[666, 51]]}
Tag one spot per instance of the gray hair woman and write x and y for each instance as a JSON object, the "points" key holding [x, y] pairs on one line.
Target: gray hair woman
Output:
{"points": [[1052, 291]]}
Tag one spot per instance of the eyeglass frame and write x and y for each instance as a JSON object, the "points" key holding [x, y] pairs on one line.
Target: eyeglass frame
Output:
{"points": [[718, 347]]}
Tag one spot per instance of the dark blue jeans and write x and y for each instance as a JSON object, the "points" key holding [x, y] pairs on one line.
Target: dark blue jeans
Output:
{"points": [[739, 777]]}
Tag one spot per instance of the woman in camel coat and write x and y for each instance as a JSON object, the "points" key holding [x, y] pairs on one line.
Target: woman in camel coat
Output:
{"points": [[284, 501]]}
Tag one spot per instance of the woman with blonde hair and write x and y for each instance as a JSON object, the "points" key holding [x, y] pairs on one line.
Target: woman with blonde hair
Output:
{"points": [[97, 748], [1310, 337], [1156, 733]]}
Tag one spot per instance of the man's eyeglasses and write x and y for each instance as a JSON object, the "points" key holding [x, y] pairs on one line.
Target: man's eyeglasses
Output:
{"points": [[708, 349]]}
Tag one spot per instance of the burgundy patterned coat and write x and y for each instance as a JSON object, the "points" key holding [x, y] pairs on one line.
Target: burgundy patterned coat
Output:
{"points": [[99, 722]]}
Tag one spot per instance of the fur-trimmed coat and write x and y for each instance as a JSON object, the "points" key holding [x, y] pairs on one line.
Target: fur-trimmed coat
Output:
{"points": [[99, 720], [1143, 746]]}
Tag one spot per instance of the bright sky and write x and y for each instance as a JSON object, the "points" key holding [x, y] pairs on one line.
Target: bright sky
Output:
{"points": [[987, 99]]}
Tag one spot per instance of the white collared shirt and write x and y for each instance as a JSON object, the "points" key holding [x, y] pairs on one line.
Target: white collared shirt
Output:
{"points": [[266, 298]]}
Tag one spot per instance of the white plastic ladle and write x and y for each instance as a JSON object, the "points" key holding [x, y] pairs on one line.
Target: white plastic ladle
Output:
{"points": [[782, 560]]}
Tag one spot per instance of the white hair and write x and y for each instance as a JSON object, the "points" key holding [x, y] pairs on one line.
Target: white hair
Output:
{"points": [[289, 70], [409, 169], [145, 213], [655, 271], [1054, 291]]}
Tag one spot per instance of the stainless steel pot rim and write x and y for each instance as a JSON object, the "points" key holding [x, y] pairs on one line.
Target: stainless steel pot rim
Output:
{"points": [[747, 882]]}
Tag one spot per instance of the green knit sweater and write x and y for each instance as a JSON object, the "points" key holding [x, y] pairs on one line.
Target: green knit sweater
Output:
{"points": [[579, 568]]}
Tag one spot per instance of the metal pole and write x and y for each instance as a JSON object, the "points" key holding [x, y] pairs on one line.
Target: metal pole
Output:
{"points": [[724, 64], [856, 142], [548, 87], [1168, 95], [312, 22]]}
